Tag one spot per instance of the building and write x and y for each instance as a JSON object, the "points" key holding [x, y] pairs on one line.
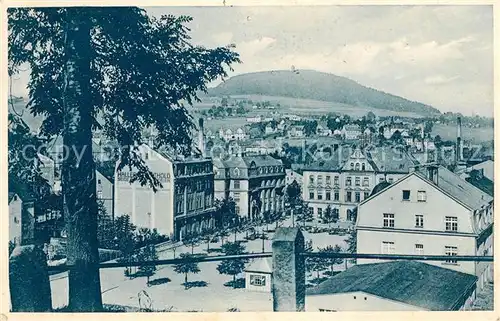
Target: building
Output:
{"points": [[430, 211], [348, 175], [477, 178], [270, 129], [15, 218], [255, 183], [487, 167], [21, 215], [394, 286], [47, 169], [351, 132], [105, 180], [183, 205], [258, 275], [256, 119], [293, 176], [296, 131]]}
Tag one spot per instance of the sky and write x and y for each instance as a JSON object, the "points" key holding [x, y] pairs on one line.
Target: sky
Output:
{"points": [[438, 55]]}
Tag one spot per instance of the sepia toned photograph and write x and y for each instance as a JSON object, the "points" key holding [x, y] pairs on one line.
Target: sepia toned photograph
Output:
{"points": [[321, 158]]}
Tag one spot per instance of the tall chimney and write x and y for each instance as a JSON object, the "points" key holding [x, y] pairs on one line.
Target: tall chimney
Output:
{"points": [[459, 155], [201, 138]]}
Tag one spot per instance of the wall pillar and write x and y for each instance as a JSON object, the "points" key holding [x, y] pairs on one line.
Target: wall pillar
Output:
{"points": [[288, 278]]}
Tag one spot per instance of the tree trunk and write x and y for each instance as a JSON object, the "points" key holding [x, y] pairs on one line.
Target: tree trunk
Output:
{"points": [[235, 231], [147, 280], [192, 248], [345, 263], [185, 280], [208, 245], [78, 170], [234, 281]]}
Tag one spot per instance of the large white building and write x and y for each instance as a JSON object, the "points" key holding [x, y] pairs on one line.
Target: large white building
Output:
{"points": [[430, 211], [184, 204]]}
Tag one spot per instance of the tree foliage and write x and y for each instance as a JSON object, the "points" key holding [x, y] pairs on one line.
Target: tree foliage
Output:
{"points": [[186, 267], [235, 266], [118, 70]]}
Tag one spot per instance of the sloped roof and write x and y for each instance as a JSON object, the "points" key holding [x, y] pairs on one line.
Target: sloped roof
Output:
{"points": [[262, 265], [390, 159], [416, 283], [459, 188], [379, 187], [481, 182]]}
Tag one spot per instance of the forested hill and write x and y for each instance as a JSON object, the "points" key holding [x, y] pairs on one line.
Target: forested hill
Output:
{"points": [[308, 84]]}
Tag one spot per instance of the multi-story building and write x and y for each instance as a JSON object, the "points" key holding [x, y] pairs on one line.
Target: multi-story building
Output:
{"points": [[184, 203], [430, 211], [351, 131], [296, 131], [348, 176], [255, 183]]}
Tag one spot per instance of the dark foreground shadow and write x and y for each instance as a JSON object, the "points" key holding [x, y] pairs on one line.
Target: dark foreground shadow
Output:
{"points": [[237, 284], [195, 284], [159, 281]]}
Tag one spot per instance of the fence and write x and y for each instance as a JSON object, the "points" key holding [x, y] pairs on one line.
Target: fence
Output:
{"points": [[288, 277]]}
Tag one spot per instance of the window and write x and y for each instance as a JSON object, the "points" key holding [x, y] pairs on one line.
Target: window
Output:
{"points": [[236, 197], [310, 210], [99, 181], [320, 179], [388, 247], [146, 155], [348, 181], [357, 166], [419, 221], [320, 212], [357, 181], [328, 196], [419, 249], [16, 220], [381, 179], [363, 166], [336, 180], [357, 196], [237, 184], [320, 196], [99, 194], [421, 196], [366, 195], [257, 280], [451, 251], [348, 196], [237, 210], [406, 195], [388, 220], [311, 195], [451, 223], [328, 179], [336, 196], [352, 165], [366, 181], [391, 180], [311, 179]]}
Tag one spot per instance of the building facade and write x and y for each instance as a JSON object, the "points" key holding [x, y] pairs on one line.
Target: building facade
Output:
{"points": [[258, 275], [255, 183], [183, 205], [430, 211], [348, 176]]}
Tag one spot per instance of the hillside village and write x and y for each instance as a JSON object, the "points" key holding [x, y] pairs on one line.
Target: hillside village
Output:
{"points": [[381, 185]]}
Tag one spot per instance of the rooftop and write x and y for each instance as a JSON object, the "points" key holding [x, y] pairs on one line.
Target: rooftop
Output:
{"points": [[477, 179], [459, 188], [416, 283], [261, 265]]}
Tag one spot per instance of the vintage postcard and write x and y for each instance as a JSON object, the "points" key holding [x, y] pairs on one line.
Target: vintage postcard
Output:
{"points": [[248, 158]]}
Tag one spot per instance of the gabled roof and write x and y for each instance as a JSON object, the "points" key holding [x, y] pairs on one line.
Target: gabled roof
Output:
{"points": [[390, 159], [459, 189], [262, 265], [415, 283], [379, 187]]}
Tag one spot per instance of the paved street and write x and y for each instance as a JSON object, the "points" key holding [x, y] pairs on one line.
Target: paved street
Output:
{"points": [[117, 289]]}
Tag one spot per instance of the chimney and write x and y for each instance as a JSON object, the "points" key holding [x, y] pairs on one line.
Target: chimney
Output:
{"points": [[201, 138], [459, 153], [432, 173]]}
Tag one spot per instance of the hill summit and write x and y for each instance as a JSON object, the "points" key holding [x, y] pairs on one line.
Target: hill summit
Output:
{"points": [[315, 85]]}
